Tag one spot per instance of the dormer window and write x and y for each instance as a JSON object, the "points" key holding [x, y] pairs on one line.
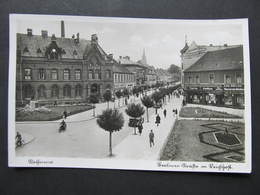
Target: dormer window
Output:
{"points": [[53, 54], [75, 53]]}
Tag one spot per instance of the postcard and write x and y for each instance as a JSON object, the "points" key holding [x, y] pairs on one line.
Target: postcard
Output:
{"points": [[129, 93]]}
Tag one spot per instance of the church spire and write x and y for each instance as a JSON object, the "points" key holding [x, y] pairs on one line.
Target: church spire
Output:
{"points": [[144, 58]]}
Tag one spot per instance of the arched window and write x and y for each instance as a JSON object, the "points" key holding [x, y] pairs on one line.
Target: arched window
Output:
{"points": [[94, 88], [108, 74], [78, 91], [55, 91], [67, 91], [28, 74], [28, 91], [41, 92]]}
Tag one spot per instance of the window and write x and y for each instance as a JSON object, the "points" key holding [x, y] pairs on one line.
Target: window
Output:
{"points": [[189, 79], [66, 74], [54, 74], [108, 74], [42, 92], [78, 91], [97, 74], [78, 74], [90, 74], [41, 74], [55, 91], [197, 79], [211, 78], [27, 74], [239, 78], [67, 91], [228, 79]]}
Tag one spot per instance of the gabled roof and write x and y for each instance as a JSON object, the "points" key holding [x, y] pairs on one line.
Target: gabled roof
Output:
{"points": [[36, 45], [225, 59]]}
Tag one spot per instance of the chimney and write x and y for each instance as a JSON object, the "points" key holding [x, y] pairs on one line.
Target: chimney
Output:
{"points": [[44, 33], [62, 29], [94, 39], [29, 31]]}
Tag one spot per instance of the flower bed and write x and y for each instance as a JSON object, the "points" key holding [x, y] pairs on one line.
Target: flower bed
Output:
{"points": [[49, 113], [197, 112]]}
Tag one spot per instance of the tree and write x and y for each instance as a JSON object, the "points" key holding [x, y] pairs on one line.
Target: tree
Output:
{"points": [[93, 99], [135, 111], [148, 103], [156, 96], [174, 69], [107, 97], [118, 95], [111, 120]]}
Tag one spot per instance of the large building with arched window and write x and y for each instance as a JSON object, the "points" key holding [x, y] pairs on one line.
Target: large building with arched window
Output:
{"points": [[54, 69]]}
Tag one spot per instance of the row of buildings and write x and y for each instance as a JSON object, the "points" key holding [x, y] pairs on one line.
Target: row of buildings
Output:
{"points": [[213, 74], [64, 70]]}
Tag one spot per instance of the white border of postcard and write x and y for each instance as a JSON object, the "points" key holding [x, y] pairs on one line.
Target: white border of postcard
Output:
{"points": [[39, 161]]}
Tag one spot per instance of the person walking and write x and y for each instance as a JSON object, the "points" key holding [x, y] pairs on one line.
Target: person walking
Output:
{"points": [[164, 113], [65, 114], [158, 120], [151, 138], [140, 128]]}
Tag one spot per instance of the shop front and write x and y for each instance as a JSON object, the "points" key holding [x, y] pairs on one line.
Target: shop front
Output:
{"points": [[215, 96]]}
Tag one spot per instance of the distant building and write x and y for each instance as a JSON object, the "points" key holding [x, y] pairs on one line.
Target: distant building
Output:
{"points": [[123, 78], [54, 69], [163, 76], [216, 78]]}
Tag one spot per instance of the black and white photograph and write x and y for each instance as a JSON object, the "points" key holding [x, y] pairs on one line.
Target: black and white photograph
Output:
{"points": [[129, 93]]}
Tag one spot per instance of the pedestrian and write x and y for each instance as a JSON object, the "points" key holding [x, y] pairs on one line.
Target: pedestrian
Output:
{"points": [[65, 114], [140, 128], [164, 113], [158, 120], [151, 138]]}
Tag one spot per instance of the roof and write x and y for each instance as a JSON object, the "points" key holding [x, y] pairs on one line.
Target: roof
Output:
{"points": [[225, 59], [36, 45], [121, 69]]}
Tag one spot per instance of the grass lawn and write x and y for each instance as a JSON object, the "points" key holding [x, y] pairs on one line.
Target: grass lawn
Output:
{"points": [[55, 113], [194, 140], [197, 112]]}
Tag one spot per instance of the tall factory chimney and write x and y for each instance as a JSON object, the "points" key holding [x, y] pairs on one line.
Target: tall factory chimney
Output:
{"points": [[62, 29]]}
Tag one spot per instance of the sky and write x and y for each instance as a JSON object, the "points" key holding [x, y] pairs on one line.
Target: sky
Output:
{"points": [[162, 40]]}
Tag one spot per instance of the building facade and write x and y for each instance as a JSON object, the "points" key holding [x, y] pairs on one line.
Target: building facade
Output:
{"points": [[193, 52], [54, 69], [216, 78], [123, 78]]}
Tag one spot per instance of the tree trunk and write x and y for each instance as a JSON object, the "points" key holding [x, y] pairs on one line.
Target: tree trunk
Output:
{"points": [[135, 131], [93, 109], [118, 102], [110, 143], [147, 114], [107, 104], [155, 110]]}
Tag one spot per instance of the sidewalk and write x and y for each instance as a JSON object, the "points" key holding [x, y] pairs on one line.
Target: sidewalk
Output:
{"points": [[137, 147], [238, 112]]}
